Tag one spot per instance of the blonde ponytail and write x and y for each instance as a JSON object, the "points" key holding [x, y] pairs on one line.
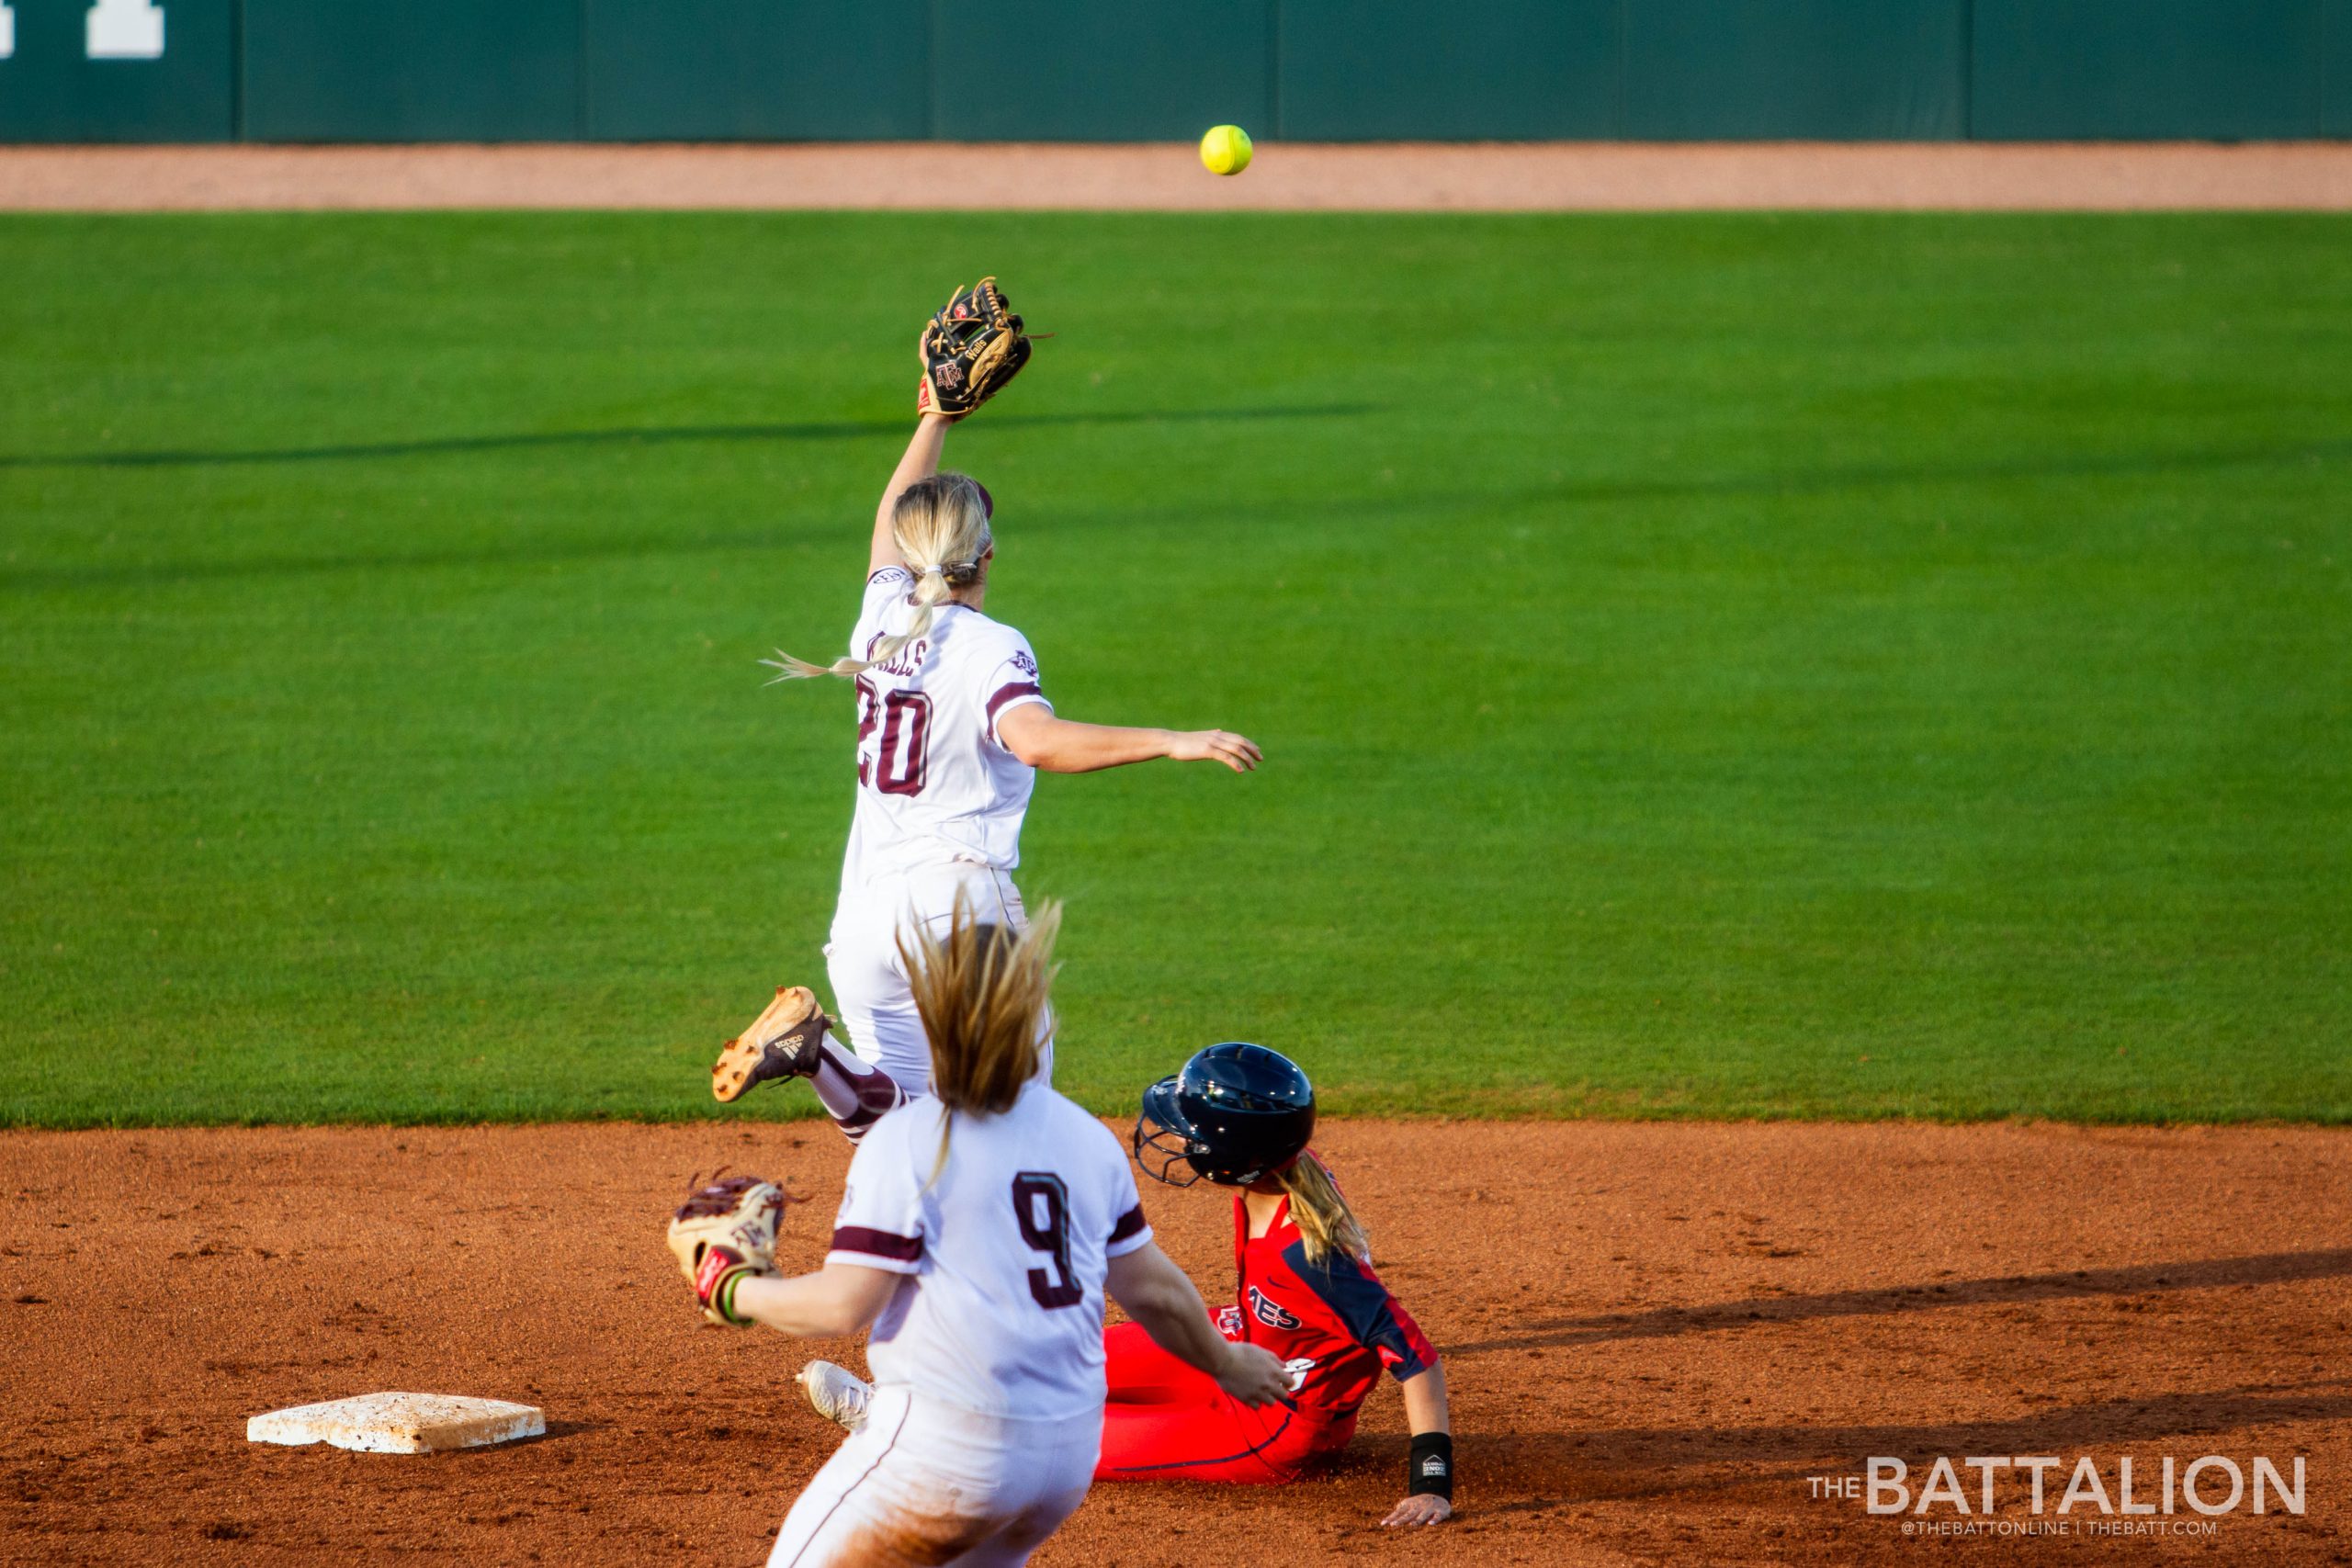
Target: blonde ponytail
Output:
{"points": [[982, 991], [1326, 1225], [940, 526]]}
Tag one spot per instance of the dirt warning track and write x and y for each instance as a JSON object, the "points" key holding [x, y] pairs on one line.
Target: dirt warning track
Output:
{"points": [[1287, 177], [1656, 1336]]}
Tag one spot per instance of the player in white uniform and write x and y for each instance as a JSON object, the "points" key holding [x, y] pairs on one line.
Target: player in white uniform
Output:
{"points": [[978, 1233], [952, 726]]}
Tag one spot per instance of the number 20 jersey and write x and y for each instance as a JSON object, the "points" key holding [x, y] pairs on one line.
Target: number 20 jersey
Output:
{"points": [[934, 783], [1005, 1251]]}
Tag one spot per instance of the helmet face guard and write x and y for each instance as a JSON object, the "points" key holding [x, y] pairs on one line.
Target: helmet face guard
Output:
{"points": [[1163, 1141], [1235, 1114]]}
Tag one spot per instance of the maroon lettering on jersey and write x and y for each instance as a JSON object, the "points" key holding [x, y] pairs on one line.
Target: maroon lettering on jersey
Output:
{"points": [[908, 660]]}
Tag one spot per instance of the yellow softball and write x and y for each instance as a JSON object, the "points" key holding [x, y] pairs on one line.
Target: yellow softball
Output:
{"points": [[1225, 149]]}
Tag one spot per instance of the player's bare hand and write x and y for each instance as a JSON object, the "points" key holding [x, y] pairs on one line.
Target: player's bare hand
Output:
{"points": [[1422, 1508], [1253, 1375], [1235, 752]]}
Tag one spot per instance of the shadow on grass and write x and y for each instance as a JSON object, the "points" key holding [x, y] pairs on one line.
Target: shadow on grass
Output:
{"points": [[2124, 464], [2266, 1269], [518, 552], [522, 551], [638, 436], [1574, 493]]}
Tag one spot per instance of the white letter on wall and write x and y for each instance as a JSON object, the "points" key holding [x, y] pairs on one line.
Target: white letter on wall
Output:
{"points": [[124, 30], [7, 30]]}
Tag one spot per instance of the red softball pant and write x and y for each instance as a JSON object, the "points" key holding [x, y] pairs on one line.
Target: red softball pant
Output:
{"points": [[1166, 1421]]}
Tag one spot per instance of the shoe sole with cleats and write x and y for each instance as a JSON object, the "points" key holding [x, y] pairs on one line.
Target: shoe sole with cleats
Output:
{"points": [[781, 1043]]}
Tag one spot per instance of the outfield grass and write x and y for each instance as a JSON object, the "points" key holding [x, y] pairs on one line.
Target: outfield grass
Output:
{"points": [[1727, 665]]}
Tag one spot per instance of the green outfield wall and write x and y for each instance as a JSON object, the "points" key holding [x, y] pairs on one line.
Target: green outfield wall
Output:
{"points": [[1150, 70]]}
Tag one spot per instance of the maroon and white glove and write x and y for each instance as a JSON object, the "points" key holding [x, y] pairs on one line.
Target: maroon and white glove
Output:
{"points": [[723, 1233]]}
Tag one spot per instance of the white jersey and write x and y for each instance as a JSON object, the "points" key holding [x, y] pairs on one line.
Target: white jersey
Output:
{"points": [[934, 785], [1005, 1253]]}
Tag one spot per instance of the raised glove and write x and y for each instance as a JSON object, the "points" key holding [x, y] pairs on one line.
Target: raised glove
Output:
{"points": [[723, 1234], [969, 351]]}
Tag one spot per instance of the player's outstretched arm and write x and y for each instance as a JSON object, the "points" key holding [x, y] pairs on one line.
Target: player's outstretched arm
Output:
{"points": [[1034, 734], [921, 462], [838, 1300], [1426, 1417], [1156, 1293]]}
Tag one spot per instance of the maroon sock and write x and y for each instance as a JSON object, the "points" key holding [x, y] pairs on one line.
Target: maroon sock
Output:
{"points": [[854, 1093]]}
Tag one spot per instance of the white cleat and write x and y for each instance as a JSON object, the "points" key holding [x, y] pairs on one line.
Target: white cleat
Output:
{"points": [[835, 1392]]}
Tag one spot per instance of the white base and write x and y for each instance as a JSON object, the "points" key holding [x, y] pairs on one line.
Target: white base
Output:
{"points": [[400, 1423]]}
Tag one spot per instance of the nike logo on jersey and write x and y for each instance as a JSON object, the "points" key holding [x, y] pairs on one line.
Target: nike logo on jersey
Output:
{"points": [[1268, 1314]]}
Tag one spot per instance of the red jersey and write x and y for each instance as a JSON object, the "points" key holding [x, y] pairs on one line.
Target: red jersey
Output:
{"points": [[1334, 1324]]}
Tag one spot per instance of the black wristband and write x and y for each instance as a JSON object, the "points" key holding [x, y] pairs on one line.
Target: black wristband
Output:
{"points": [[1429, 1465]]}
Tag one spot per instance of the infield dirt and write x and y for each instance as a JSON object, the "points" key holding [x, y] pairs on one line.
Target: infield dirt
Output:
{"points": [[1655, 1335]]}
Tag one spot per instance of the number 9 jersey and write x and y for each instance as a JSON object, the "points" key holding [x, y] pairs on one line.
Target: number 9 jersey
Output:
{"points": [[1005, 1247], [934, 783]]}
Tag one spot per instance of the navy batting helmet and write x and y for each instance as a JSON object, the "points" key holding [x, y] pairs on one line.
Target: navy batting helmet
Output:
{"points": [[1236, 1113]]}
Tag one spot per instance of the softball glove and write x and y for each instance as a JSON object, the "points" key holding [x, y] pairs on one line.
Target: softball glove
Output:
{"points": [[969, 352], [723, 1234]]}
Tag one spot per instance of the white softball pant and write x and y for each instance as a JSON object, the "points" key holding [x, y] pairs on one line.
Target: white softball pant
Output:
{"points": [[927, 1483], [877, 1009]]}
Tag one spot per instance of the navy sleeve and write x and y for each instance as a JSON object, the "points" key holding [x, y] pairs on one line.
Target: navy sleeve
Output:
{"points": [[1364, 1304]]}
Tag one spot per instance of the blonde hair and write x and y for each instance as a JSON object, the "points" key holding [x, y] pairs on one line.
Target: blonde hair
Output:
{"points": [[1326, 1225], [982, 991], [941, 525]]}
